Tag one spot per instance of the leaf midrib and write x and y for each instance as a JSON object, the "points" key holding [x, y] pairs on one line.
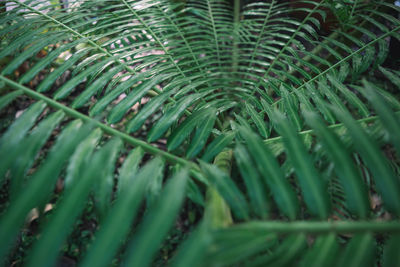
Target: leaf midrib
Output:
{"points": [[105, 128], [340, 62]]}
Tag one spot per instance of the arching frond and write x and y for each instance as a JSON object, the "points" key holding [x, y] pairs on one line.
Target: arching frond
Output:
{"points": [[277, 120]]}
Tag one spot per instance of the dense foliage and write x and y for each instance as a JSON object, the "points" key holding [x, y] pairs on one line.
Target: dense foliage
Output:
{"points": [[270, 128]]}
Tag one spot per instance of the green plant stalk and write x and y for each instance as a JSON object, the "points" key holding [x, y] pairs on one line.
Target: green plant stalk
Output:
{"points": [[235, 50], [214, 32], [217, 211], [318, 49], [289, 42], [340, 62], [335, 35], [105, 128], [321, 227], [315, 51], [333, 126]]}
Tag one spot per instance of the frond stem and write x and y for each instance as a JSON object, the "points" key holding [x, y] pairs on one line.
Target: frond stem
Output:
{"points": [[214, 31], [333, 126], [321, 227], [235, 50], [341, 61], [105, 128], [289, 42], [261, 33]]}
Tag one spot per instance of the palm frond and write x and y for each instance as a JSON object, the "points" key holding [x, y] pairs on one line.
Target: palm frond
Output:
{"points": [[279, 129]]}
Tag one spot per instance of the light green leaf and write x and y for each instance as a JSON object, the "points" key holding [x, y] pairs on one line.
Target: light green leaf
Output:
{"points": [[185, 128], [257, 195], [227, 188], [311, 183], [359, 252], [217, 145], [386, 181], [272, 175], [203, 131], [156, 224], [121, 216], [170, 117], [356, 193]]}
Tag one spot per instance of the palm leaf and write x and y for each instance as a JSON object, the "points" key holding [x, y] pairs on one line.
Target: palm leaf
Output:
{"points": [[112, 99]]}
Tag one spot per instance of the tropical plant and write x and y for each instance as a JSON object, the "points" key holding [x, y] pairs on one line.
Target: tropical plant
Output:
{"points": [[276, 119]]}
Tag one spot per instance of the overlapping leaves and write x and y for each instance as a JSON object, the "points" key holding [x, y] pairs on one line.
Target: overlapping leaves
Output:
{"points": [[193, 78]]}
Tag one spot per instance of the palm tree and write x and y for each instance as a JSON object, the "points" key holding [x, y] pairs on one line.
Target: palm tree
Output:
{"points": [[277, 120]]}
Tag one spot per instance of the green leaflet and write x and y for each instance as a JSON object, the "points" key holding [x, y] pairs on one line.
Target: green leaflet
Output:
{"points": [[311, 183], [67, 88], [323, 252], [349, 95], [258, 121], [386, 115], [395, 79], [121, 216], [20, 127], [344, 71], [257, 195], [22, 40], [46, 250], [359, 252], [203, 131], [105, 175], [361, 63], [79, 161], [96, 86], [38, 186], [156, 224], [192, 251], [391, 255], [114, 93], [51, 78], [284, 254], [8, 98], [170, 117], [154, 187], [356, 193], [129, 169], [382, 53], [290, 108], [15, 133], [46, 61], [217, 145], [29, 147], [146, 111], [29, 52], [117, 113], [87, 62], [187, 126], [320, 103], [330, 94], [194, 192], [386, 181], [233, 245], [305, 103], [228, 190], [270, 171]]}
